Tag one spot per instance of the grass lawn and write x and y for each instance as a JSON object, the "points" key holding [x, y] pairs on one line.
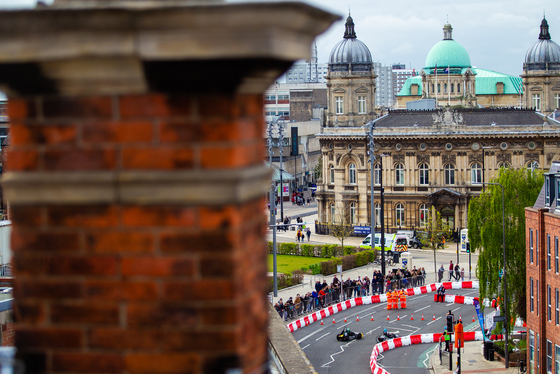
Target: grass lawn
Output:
{"points": [[289, 263]]}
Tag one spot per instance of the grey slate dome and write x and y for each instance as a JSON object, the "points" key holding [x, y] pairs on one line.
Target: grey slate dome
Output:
{"points": [[350, 53], [544, 54]]}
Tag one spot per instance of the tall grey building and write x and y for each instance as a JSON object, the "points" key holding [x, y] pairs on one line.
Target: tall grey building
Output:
{"points": [[384, 85]]}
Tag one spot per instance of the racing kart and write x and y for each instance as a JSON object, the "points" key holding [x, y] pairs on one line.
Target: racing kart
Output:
{"points": [[347, 335], [387, 336]]}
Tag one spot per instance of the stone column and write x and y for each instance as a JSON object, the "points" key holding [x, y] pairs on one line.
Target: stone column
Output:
{"points": [[136, 180]]}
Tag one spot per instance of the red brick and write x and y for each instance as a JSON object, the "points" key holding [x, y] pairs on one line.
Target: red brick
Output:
{"points": [[200, 340], [22, 160], [157, 158], [178, 242], [43, 134], [20, 109], [83, 265], [159, 216], [120, 290], [85, 313], [79, 159], [201, 290], [83, 216], [120, 339], [217, 267], [180, 131], [120, 242], [161, 315], [250, 105], [221, 217], [221, 315], [151, 105], [163, 363], [219, 131], [117, 132], [48, 337], [44, 241], [229, 157], [158, 267], [28, 263], [46, 289], [29, 312], [83, 362], [82, 107], [27, 216], [217, 106]]}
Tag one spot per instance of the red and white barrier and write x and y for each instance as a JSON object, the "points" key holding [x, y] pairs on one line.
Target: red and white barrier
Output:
{"points": [[456, 299], [374, 299], [409, 340]]}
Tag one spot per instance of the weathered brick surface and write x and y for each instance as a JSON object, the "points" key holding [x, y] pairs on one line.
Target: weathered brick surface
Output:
{"points": [[126, 288]]}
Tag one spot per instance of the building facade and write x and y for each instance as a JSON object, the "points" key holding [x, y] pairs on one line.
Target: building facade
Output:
{"points": [[543, 277], [400, 75], [541, 73]]}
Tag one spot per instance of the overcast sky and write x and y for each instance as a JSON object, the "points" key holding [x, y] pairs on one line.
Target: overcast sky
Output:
{"points": [[496, 33]]}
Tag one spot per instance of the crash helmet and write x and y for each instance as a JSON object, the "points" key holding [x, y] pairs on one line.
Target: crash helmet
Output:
{"points": [[347, 329], [384, 331]]}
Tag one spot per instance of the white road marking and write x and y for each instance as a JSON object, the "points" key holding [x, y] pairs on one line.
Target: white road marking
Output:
{"points": [[336, 353], [429, 306], [321, 337], [428, 354], [437, 319], [305, 346]]}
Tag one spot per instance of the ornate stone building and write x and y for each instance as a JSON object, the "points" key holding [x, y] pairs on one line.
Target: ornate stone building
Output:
{"points": [[432, 160], [541, 73], [450, 79], [350, 82]]}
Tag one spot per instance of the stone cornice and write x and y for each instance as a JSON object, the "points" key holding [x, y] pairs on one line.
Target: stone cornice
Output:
{"points": [[211, 187], [136, 49]]}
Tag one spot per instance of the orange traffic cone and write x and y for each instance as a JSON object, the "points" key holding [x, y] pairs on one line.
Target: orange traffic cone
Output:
{"points": [[473, 318], [372, 317], [422, 317], [345, 319], [433, 319], [333, 320], [460, 318], [387, 317], [322, 322], [358, 318], [398, 317], [412, 317]]}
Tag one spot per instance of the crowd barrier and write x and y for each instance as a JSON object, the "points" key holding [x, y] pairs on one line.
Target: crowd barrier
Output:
{"points": [[374, 299]]}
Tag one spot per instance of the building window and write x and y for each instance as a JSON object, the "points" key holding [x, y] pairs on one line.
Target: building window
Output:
{"points": [[531, 246], [353, 213], [449, 174], [557, 306], [504, 165], [352, 173], [476, 173], [557, 101], [548, 253], [549, 303], [439, 88], [424, 174], [339, 104], [548, 356], [377, 174], [399, 174], [531, 351], [556, 359], [423, 215], [332, 174], [452, 88], [558, 192], [547, 191], [445, 87], [537, 102], [458, 87], [537, 248], [399, 210], [378, 214], [433, 88], [556, 254], [537, 300], [538, 352], [532, 303], [361, 105], [332, 213]]}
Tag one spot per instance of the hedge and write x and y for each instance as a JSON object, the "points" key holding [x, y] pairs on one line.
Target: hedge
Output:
{"points": [[286, 280], [310, 250]]}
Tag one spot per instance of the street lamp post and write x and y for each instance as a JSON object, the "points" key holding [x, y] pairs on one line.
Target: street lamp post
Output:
{"points": [[372, 165], [273, 212], [281, 152], [504, 271], [382, 213]]}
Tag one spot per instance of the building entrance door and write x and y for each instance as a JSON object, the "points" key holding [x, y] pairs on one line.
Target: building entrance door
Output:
{"points": [[448, 216]]}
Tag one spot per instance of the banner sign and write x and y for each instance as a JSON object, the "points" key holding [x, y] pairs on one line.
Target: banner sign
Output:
{"points": [[362, 230], [480, 318]]}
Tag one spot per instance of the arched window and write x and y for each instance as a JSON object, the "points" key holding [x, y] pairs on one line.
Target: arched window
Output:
{"points": [[433, 88], [504, 164], [449, 173], [452, 87], [377, 174], [439, 88], [476, 173], [399, 174], [458, 87], [399, 214], [377, 214], [332, 213], [533, 165], [424, 174], [445, 87], [352, 173], [353, 213], [423, 215], [331, 169]]}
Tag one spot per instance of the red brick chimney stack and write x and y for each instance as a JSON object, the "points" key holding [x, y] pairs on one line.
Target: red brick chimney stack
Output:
{"points": [[136, 180]]}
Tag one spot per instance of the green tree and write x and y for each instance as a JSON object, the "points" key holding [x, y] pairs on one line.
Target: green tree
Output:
{"points": [[434, 233], [521, 189], [318, 170], [341, 226]]}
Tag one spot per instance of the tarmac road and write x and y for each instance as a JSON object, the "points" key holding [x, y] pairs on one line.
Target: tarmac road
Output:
{"points": [[331, 356]]}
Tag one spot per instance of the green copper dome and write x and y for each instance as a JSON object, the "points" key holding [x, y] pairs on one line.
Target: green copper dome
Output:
{"points": [[448, 53]]}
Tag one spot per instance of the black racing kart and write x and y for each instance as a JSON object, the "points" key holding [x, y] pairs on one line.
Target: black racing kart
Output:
{"points": [[346, 335], [387, 336]]}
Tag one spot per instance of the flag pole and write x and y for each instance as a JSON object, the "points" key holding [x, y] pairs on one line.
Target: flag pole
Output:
{"points": [[437, 88], [448, 87]]}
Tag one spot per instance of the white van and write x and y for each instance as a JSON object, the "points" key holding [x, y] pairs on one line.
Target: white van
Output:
{"points": [[390, 241]]}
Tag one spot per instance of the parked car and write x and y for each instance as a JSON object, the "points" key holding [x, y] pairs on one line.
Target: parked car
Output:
{"points": [[415, 243]]}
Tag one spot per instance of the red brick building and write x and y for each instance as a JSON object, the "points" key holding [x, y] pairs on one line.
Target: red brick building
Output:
{"points": [[543, 277]]}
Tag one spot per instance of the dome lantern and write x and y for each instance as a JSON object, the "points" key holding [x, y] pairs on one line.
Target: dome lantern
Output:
{"points": [[448, 52], [544, 54], [349, 32], [350, 53]]}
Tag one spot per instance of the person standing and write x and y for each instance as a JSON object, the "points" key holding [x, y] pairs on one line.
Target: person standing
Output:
{"points": [[440, 273], [451, 268], [308, 234]]}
